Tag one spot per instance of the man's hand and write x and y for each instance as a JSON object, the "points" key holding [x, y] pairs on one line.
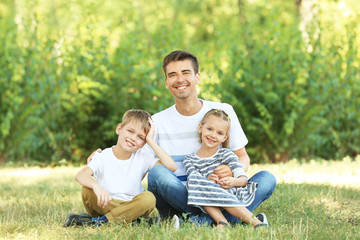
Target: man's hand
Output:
{"points": [[103, 196], [227, 182], [214, 178], [92, 154], [223, 171]]}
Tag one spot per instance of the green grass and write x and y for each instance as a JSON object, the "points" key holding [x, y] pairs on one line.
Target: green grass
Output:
{"points": [[315, 200]]}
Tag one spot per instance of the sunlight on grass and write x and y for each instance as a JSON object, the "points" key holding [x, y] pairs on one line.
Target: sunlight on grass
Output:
{"points": [[335, 173], [312, 200]]}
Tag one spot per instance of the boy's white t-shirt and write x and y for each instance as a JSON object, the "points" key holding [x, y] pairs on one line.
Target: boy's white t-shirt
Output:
{"points": [[121, 178], [178, 134]]}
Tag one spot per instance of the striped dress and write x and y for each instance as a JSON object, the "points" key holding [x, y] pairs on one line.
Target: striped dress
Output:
{"points": [[205, 192]]}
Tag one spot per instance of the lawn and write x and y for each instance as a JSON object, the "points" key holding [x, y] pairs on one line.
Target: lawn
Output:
{"points": [[313, 200]]}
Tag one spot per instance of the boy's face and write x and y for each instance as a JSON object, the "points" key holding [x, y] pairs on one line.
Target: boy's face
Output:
{"points": [[131, 137]]}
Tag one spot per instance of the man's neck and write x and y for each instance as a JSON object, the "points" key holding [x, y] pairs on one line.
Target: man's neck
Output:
{"points": [[188, 107]]}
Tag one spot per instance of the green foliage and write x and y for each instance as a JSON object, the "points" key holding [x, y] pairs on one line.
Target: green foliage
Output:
{"points": [[295, 93], [69, 70]]}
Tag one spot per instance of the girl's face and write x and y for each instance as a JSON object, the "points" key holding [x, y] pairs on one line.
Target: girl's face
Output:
{"points": [[131, 137], [213, 131]]}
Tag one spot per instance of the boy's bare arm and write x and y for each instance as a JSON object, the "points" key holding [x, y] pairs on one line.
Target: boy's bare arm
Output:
{"points": [[84, 177], [164, 158]]}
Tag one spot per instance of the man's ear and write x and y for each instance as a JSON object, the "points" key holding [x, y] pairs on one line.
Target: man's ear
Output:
{"points": [[197, 75], [118, 128], [166, 83]]}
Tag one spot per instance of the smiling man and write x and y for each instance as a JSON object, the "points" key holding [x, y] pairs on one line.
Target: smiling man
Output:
{"points": [[177, 134]]}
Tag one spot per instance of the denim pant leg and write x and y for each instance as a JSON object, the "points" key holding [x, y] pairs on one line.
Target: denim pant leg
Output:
{"points": [[171, 195], [266, 185]]}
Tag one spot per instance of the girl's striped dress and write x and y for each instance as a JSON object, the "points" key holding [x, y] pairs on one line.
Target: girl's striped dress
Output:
{"points": [[205, 192]]}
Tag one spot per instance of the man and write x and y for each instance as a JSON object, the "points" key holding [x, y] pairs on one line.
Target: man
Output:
{"points": [[177, 134]]}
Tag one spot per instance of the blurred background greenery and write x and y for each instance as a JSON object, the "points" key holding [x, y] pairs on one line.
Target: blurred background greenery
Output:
{"points": [[70, 69]]}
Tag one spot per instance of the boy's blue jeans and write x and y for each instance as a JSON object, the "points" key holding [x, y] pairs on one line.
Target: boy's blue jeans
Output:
{"points": [[171, 195]]}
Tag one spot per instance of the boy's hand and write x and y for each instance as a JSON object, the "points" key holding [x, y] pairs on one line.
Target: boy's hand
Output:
{"points": [[92, 154], [227, 182], [223, 171], [151, 133], [103, 196], [214, 178]]}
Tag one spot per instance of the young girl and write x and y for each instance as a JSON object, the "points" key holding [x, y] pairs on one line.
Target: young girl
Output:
{"points": [[205, 189]]}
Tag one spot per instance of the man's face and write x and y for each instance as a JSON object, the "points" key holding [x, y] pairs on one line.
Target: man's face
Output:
{"points": [[181, 79]]}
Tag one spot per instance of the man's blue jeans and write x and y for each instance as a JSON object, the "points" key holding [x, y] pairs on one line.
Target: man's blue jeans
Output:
{"points": [[171, 195]]}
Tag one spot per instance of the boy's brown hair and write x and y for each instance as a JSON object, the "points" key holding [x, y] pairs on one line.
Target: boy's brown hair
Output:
{"points": [[220, 114], [139, 115], [181, 55]]}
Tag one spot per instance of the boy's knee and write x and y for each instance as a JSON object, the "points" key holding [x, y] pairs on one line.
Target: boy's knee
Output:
{"points": [[148, 201], [87, 193]]}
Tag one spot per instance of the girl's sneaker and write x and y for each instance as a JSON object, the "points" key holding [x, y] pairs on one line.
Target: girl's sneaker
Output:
{"points": [[262, 217]]}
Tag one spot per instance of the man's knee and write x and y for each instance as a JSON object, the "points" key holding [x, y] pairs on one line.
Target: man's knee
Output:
{"points": [[267, 182], [159, 175]]}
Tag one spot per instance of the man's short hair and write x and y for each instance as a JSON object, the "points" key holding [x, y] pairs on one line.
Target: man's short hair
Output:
{"points": [[181, 55], [138, 115]]}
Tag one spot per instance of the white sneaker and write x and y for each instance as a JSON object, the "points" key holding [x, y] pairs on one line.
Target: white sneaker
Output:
{"points": [[262, 217], [175, 223]]}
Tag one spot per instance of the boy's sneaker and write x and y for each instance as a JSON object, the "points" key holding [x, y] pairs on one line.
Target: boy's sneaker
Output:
{"points": [[175, 223], [262, 217], [77, 219]]}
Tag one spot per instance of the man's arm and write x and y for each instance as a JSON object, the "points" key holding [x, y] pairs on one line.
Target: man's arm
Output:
{"points": [[243, 158], [225, 171]]}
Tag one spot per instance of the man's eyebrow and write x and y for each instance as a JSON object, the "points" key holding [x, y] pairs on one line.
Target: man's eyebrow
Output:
{"points": [[171, 73], [186, 70]]}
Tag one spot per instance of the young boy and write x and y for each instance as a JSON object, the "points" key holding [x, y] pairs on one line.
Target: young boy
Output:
{"points": [[116, 193]]}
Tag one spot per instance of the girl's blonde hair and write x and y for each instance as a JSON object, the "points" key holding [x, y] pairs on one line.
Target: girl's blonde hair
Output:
{"points": [[220, 114], [139, 115]]}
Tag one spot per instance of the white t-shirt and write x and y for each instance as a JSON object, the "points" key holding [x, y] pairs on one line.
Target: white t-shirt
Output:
{"points": [[178, 134], [121, 178]]}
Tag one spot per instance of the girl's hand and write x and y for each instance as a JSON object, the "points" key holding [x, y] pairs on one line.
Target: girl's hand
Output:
{"points": [[214, 178], [151, 133], [227, 182]]}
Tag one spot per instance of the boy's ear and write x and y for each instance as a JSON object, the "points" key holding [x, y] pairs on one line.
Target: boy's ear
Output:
{"points": [[118, 128]]}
